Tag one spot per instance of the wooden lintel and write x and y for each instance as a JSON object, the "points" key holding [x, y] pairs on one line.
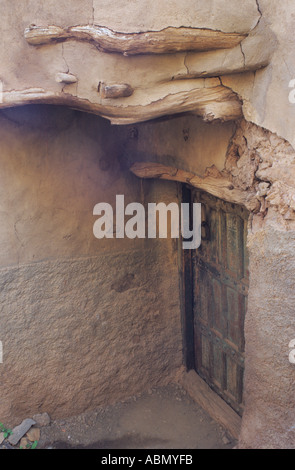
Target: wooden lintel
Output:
{"points": [[168, 40], [210, 103], [218, 185], [122, 90]]}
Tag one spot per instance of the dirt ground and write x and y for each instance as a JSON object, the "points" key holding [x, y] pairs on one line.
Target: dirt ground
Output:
{"points": [[165, 418]]}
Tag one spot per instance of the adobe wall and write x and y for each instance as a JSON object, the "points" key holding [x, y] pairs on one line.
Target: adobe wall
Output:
{"points": [[47, 222], [269, 416], [85, 322], [82, 319], [257, 158], [262, 165]]}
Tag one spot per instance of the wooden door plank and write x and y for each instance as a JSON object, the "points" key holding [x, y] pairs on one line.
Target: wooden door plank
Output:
{"points": [[220, 281], [215, 406]]}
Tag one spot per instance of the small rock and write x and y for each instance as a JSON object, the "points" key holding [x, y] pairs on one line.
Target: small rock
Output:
{"points": [[19, 431], [42, 419], [1, 437], [33, 434], [24, 442], [6, 445], [225, 440]]}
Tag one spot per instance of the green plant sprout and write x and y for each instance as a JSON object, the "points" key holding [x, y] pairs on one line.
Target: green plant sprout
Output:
{"points": [[30, 445], [34, 445], [6, 432]]}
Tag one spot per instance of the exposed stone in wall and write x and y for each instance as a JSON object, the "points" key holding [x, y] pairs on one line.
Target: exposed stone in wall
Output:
{"points": [[261, 160], [258, 173]]}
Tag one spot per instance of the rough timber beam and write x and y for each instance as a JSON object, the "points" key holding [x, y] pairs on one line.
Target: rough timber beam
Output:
{"points": [[213, 103], [166, 41], [216, 184], [174, 70]]}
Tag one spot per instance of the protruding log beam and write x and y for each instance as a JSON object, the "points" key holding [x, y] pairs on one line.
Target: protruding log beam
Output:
{"points": [[212, 103], [217, 185], [209, 103], [166, 41], [122, 90], [67, 78]]}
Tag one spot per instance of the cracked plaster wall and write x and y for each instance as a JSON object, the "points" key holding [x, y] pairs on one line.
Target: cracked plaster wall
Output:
{"points": [[82, 321], [264, 92], [95, 312], [162, 83], [258, 156], [262, 164], [259, 159]]}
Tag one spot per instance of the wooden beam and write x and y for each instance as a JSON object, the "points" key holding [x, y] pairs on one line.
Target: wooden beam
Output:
{"points": [[217, 102], [218, 184], [186, 290], [166, 41], [122, 90], [212, 103], [215, 406], [67, 78]]}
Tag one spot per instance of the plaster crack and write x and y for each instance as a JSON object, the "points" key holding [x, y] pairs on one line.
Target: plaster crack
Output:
{"points": [[259, 11], [64, 59], [185, 64], [243, 54], [67, 67], [16, 233]]}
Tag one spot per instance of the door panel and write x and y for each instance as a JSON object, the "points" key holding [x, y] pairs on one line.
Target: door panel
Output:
{"points": [[220, 270]]}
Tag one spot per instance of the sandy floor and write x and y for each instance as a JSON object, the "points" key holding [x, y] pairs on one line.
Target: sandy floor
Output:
{"points": [[165, 418]]}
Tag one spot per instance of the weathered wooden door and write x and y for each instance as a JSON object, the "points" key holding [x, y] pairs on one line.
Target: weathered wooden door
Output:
{"points": [[220, 267]]}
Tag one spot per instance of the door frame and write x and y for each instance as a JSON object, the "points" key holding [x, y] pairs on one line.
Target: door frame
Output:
{"points": [[186, 290], [196, 387]]}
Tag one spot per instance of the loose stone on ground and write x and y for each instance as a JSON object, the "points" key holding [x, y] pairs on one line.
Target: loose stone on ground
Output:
{"points": [[19, 431]]}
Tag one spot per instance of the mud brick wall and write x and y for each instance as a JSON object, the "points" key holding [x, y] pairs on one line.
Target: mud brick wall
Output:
{"points": [[83, 322]]}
